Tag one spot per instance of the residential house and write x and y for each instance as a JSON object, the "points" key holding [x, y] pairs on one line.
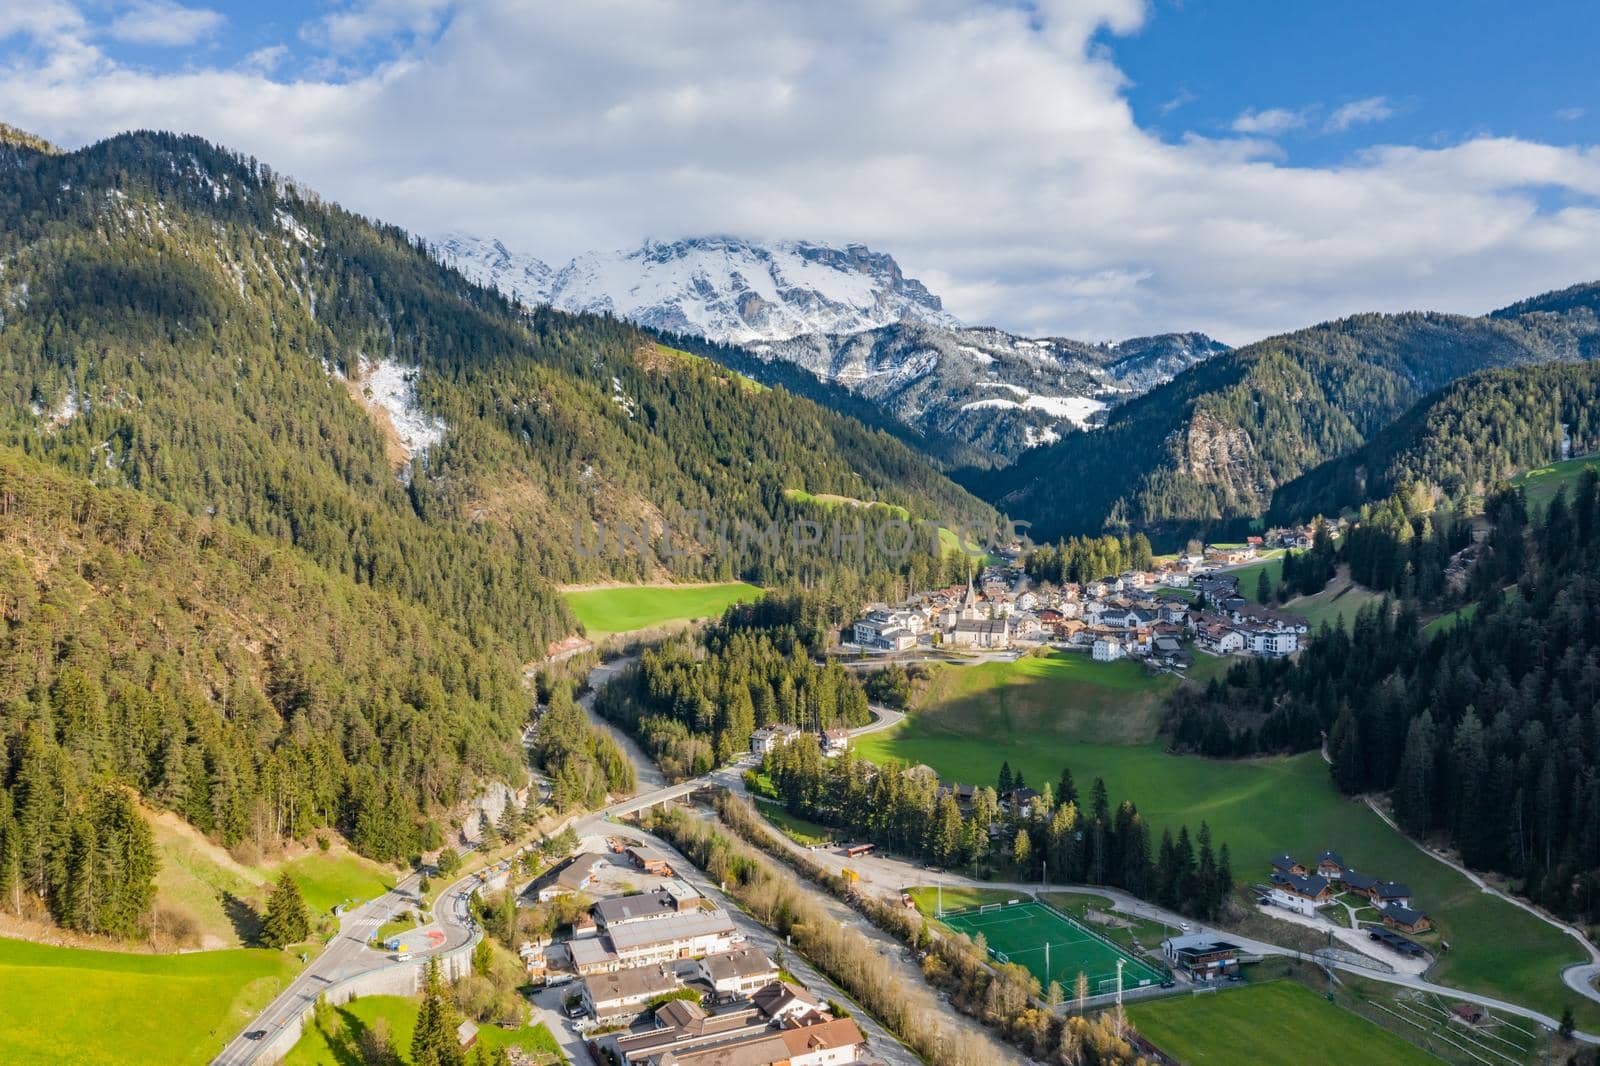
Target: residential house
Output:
{"points": [[739, 973], [1109, 649], [1219, 639], [1330, 864], [834, 741], [830, 1043], [770, 738], [569, 876], [1301, 894], [1406, 919], [621, 995], [1287, 864]]}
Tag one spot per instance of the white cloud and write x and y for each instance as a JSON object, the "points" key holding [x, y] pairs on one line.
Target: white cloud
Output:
{"points": [[162, 22], [562, 128], [1359, 113], [1271, 122], [1571, 114]]}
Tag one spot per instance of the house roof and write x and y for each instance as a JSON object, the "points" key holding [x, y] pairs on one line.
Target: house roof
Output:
{"points": [[638, 982], [1199, 943], [741, 962], [1392, 890], [779, 994], [643, 905], [1403, 915], [570, 874], [679, 1013], [589, 951], [1331, 856], [466, 1031], [681, 926], [1310, 885], [1358, 880], [756, 1051], [825, 1036], [1285, 862]]}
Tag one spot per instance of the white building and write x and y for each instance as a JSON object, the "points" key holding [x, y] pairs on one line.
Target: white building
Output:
{"points": [[739, 973], [1108, 649]]}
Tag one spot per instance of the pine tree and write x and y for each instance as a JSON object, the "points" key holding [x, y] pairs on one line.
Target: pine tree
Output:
{"points": [[286, 921], [433, 1043], [1003, 782], [1067, 790]]}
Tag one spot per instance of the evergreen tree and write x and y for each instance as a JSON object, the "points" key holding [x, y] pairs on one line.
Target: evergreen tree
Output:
{"points": [[286, 921], [433, 1043]]}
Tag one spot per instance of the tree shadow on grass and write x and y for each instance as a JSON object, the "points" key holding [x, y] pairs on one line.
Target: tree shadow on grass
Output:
{"points": [[243, 917]]}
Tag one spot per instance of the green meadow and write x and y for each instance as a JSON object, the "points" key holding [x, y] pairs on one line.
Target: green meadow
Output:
{"points": [[1540, 485], [626, 608], [1268, 1024], [102, 1007], [1259, 807], [342, 1045]]}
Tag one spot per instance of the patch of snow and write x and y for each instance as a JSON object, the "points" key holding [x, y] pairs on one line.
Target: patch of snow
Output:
{"points": [[622, 399], [291, 224], [977, 353], [394, 388], [1033, 436], [1018, 389], [1074, 409], [64, 411]]}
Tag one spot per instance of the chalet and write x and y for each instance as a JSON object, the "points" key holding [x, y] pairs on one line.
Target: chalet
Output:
{"points": [[1330, 865], [1051, 616], [772, 737], [1021, 800], [1383, 893], [739, 973], [1301, 894], [783, 1002], [1070, 628], [1287, 864], [622, 995], [830, 1043], [1219, 639], [964, 794], [835, 741], [565, 878], [1257, 616], [1398, 916], [1201, 956]]}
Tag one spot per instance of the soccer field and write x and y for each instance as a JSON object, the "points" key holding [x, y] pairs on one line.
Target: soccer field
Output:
{"points": [[1053, 947]]}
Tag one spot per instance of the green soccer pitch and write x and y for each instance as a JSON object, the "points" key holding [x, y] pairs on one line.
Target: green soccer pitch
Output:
{"points": [[1052, 946]]}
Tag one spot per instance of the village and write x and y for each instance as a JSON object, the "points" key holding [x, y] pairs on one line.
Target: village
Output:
{"points": [[1161, 617], [655, 974]]}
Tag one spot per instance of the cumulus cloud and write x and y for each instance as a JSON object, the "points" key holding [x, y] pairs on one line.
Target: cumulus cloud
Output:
{"points": [[1270, 122], [162, 22], [1359, 113], [990, 148]]}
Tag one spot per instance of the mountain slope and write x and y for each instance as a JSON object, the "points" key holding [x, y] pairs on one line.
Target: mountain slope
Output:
{"points": [[722, 288], [853, 320], [1209, 448], [1461, 441], [996, 392], [178, 321]]}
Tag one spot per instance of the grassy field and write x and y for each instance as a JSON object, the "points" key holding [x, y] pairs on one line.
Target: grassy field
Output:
{"points": [[830, 500], [797, 829], [1260, 807], [1138, 934], [1067, 694], [399, 1013], [629, 607], [94, 1007], [1540, 485], [1250, 576], [1341, 597], [959, 898], [201, 879], [1270, 1023]]}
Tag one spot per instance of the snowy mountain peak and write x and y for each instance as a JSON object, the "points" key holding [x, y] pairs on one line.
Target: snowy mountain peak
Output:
{"points": [[727, 289]]}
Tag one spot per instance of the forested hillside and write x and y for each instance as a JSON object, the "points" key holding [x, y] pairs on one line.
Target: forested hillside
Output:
{"points": [[225, 678], [1488, 733], [1210, 447], [180, 321], [283, 502], [1460, 441]]}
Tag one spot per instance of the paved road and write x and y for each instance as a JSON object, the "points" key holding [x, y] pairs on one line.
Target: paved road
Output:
{"points": [[348, 955]]}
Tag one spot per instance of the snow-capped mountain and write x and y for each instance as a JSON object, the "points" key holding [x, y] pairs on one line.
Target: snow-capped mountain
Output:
{"points": [[852, 318], [725, 289], [995, 390]]}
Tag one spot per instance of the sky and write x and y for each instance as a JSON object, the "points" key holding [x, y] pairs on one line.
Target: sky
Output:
{"points": [[1090, 168]]}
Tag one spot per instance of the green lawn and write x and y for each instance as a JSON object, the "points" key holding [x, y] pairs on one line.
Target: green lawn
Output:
{"points": [[1445, 621], [93, 1007], [959, 898], [1148, 935], [1250, 575], [629, 607], [1066, 693], [1270, 1023], [1261, 807], [1341, 597], [1540, 485], [797, 829], [340, 1048], [830, 500], [328, 880]]}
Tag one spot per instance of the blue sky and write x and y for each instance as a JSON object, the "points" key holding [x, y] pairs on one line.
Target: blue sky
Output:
{"points": [[1092, 168], [1445, 72]]}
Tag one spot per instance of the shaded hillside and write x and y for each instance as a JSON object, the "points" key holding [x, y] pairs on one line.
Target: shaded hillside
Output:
{"points": [[1210, 447], [1460, 441], [180, 321], [228, 680]]}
